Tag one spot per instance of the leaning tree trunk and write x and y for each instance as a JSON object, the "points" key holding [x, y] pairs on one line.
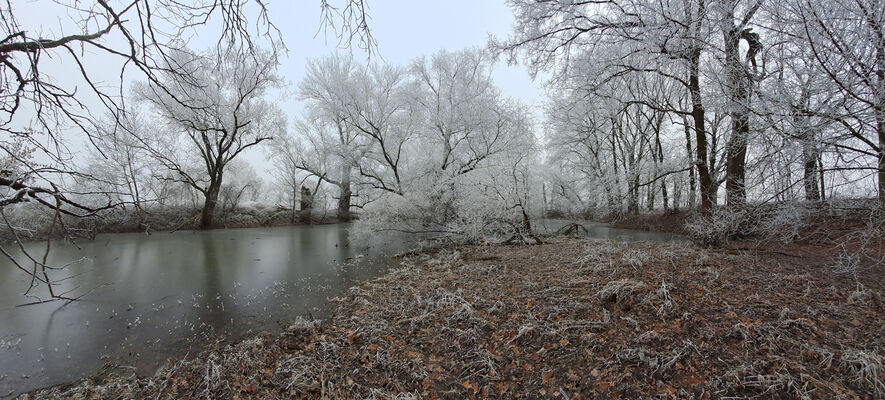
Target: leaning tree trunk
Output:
{"points": [[211, 203]]}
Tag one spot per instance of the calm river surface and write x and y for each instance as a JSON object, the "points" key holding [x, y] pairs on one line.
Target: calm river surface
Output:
{"points": [[151, 297]]}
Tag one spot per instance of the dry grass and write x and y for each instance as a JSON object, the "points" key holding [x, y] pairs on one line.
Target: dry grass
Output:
{"points": [[570, 319]]}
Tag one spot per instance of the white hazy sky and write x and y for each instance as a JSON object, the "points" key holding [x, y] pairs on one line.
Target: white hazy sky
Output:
{"points": [[408, 29], [404, 30]]}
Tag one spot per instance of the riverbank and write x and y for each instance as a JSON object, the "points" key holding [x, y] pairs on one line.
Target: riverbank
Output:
{"points": [[667, 222], [854, 226], [571, 318], [34, 223]]}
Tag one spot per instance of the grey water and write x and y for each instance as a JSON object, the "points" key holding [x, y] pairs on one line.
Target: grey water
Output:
{"points": [[147, 298], [597, 230]]}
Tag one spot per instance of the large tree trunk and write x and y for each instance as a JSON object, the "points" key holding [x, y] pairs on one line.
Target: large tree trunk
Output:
{"points": [[880, 126], [738, 88], [211, 203], [650, 198], [306, 204], [708, 194], [294, 218], [880, 112], [616, 206], [820, 170], [810, 173], [660, 150], [344, 195], [692, 190], [633, 189]]}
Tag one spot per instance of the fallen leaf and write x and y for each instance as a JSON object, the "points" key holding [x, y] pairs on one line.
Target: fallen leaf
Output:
{"points": [[693, 380]]}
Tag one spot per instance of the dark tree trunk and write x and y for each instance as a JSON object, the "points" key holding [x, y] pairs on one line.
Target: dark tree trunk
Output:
{"points": [[344, 196], [211, 203], [306, 204], [708, 194], [660, 151], [738, 88], [880, 125], [810, 173], [633, 200], [616, 205], [692, 189], [820, 170], [880, 115], [294, 201], [880, 108], [650, 198]]}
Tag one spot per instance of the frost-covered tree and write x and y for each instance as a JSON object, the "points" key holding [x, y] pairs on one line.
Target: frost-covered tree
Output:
{"points": [[419, 141], [102, 46], [212, 117], [494, 199], [621, 38], [847, 41], [134, 39], [331, 148], [122, 169], [462, 119], [769, 95]]}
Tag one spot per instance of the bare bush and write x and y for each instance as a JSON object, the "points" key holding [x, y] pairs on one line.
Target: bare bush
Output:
{"points": [[856, 226], [621, 291]]}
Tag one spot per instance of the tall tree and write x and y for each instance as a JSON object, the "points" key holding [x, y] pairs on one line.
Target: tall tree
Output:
{"points": [[333, 147], [625, 37], [847, 40], [214, 115], [739, 90]]}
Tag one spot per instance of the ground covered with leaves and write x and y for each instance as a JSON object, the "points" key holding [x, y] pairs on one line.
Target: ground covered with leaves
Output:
{"points": [[568, 319]]}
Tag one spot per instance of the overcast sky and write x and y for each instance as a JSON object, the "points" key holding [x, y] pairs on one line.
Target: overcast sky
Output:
{"points": [[404, 30]]}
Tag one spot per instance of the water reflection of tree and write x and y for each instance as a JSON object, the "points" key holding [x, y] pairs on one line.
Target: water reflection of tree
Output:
{"points": [[213, 315]]}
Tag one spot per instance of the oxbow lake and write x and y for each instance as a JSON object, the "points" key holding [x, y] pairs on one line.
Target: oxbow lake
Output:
{"points": [[146, 298]]}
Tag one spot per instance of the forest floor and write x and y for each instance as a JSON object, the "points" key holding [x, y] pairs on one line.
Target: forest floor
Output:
{"points": [[568, 319]]}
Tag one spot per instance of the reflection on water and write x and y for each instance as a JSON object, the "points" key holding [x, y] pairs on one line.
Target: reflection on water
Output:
{"points": [[158, 296], [596, 230]]}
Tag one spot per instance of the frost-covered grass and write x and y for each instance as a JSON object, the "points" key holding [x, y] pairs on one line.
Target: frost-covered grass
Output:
{"points": [[834, 223], [568, 319]]}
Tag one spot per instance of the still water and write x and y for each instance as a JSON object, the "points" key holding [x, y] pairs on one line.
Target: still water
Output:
{"points": [[150, 297], [596, 230]]}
